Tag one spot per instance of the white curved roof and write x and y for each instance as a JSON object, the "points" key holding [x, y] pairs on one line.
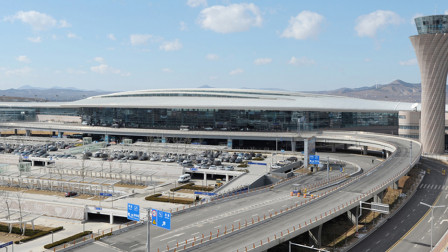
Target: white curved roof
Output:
{"points": [[213, 98]]}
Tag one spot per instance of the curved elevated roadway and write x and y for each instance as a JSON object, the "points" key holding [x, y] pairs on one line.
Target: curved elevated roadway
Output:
{"points": [[272, 216]]}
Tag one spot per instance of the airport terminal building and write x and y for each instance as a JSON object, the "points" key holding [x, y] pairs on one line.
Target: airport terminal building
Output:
{"points": [[217, 109]]}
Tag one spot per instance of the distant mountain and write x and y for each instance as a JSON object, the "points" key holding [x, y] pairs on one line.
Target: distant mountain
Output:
{"points": [[47, 94], [397, 90]]}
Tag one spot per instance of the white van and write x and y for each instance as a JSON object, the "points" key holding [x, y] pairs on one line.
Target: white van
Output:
{"points": [[184, 178]]}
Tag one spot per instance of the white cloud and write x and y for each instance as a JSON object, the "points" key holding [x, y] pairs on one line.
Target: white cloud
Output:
{"points": [[306, 24], [111, 36], [71, 35], [236, 71], [262, 61], [212, 56], [167, 70], [231, 18], [23, 58], [409, 62], [183, 26], [99, 59], [446, 12], [18, 71], [74, 71], [196, 3], [140, 39], [35, 39], [171, 45], [105, 69], [213, 77], [64, 24], [368, 25], [302, 61], [38, 21]]}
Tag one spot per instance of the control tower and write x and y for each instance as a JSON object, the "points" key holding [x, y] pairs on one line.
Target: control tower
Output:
{"points": [[431, 48]]}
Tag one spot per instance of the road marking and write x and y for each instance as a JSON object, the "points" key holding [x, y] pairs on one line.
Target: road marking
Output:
{"points": [[446, 196], [421, 185], [415, 225], [108, 246], [254, 215], [176, 235], [423, 237], [135, 245], [195, 233], [430, 219], [237, 220], [395, 227], [387, 234], [402, 221], [378, 242], [445, 220]]}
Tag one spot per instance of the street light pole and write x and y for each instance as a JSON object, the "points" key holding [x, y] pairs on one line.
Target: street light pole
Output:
{"points": [[148, 229], [432, 217]]}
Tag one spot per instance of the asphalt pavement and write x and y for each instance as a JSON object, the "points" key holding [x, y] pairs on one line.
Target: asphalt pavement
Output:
{"points": [[408, 229]]}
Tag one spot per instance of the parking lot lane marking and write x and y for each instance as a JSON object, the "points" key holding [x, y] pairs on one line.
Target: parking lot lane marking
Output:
{"points": [[195, 233], [237, 220], [430, 219], [378, 242], [135, 245]]}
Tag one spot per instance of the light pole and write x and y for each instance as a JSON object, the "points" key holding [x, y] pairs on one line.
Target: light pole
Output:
{"points": [[148, 230], [432, 216]]}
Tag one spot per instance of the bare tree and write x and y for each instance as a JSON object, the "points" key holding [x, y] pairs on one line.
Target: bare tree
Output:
{"points": [[4, 195], [19, 201], [130, 172]]}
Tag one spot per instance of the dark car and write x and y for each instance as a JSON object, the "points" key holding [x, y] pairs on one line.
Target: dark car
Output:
{"points": [[70, 194]]}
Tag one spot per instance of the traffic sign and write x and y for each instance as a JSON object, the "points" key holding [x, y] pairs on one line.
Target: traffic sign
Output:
{"points": [[106, 194], [205, 193], [314, 159], [133, 212], [5, 244], [161, 219]]}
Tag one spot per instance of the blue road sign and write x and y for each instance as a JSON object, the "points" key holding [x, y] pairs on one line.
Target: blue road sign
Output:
{"points": [[106, 194], [6, 244], [98, 208], [314, 159], [161, 219], [205, 193], [193, 169], [256, 163], [133, 212]]}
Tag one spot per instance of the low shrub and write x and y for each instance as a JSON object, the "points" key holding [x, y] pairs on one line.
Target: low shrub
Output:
{"points": [[181, 187], [40, 233], [156, 197], [68, 239], [242, 165]]}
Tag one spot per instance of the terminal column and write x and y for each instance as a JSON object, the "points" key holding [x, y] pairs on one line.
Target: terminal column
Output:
{"points": [[229, 143]]}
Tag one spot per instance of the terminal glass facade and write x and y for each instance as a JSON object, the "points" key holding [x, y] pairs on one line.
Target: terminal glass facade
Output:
{"points": [[235, 120], [29, 113]]}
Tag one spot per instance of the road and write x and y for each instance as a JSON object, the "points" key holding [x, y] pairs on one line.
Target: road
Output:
{"points": [[234, 212], [402, 222], [209, 219]]}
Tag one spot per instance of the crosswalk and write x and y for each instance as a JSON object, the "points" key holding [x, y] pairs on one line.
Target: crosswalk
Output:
{"points": [[433, 187]]}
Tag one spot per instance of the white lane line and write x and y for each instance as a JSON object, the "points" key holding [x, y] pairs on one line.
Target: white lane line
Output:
{"points": [[176, 235], [237, 220], [422, 238], [195, 233], [430, 219], [395, 227], [254, 215], [446, 196], [135, 245], [446, 209], [421, 185], [378, 242], [273, 209], [217, 226]]}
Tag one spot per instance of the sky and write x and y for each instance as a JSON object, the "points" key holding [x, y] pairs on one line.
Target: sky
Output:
{"points": [[296, 45]]}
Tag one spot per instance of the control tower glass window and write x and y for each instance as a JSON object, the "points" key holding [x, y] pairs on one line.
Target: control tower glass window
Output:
{"points": [[432, 24]]}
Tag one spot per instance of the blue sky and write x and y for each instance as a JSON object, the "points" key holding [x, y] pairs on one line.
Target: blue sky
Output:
{"points": [[132, 45]]}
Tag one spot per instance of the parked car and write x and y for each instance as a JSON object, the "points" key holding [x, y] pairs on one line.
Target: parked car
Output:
{"points": [[70, 194]]}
